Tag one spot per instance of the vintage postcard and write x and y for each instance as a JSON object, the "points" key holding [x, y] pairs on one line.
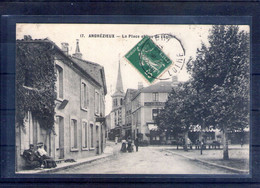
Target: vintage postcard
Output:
{"points": [[132, 99]]}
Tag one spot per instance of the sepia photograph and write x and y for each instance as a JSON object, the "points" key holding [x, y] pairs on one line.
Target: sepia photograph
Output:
{"points": [[132, 99]]}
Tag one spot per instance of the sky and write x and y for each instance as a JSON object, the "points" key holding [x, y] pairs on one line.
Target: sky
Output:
{"points": [[108, 52]]}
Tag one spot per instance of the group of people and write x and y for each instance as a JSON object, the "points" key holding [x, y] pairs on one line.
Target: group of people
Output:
{"points": [[127, 145], [38, 158]]}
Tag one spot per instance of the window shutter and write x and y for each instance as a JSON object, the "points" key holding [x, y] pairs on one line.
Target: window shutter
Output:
{"points": [[75, 134], [83, 134], [86, 135], [87, 96], [82, 96], [71, 134]]}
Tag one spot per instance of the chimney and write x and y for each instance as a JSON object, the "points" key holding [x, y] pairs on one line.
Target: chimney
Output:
{"points": [[140, 85], [27, 37], [174, 80], [65, 48]]}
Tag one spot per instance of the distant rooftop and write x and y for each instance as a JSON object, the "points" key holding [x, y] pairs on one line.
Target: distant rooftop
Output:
{"points": [[160, 87], [131, 92]]}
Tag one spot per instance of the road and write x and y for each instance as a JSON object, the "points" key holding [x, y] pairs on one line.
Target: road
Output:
{"points": [[148, 160]]}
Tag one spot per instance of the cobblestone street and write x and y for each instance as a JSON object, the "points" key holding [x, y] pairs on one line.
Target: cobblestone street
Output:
{"points": [[149, 160]]}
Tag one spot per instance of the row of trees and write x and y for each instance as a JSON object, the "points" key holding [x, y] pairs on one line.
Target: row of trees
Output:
{"points": [[218, 92]]}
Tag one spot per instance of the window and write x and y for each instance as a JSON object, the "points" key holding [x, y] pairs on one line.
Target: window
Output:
{"points": [[115, 102], [116, 118], [121, 101], [139, 117], [91, 136], [59, 83], [28, 81], [97, 103], [84, 96], [59, 137], [155, 96], [156, 138], [155, 113], [84, 135], [102, 106], [73, 134]]}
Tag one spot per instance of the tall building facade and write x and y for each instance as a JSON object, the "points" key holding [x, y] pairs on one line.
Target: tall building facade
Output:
{"points": [[127, 127], [146, 104], [78, 131]]}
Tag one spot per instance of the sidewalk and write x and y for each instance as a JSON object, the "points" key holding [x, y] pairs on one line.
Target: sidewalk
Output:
{"points": [[238, 157], [111, 149]]}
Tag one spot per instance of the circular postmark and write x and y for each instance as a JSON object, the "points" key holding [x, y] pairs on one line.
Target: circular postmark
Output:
{"points": [[161, 56]]}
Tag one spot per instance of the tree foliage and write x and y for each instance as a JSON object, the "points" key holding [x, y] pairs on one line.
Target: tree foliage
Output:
{"points": [[218, 92], [35, 82], [221, 77], [177, 114]]}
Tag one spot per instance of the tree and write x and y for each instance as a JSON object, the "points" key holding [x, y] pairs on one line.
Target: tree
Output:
{"points": [[178, 114], [221, 78], [218, 93]]}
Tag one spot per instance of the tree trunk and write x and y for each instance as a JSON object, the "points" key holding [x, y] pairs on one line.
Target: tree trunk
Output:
{"points": [[225, 144], [186, 141], [201, 134]]}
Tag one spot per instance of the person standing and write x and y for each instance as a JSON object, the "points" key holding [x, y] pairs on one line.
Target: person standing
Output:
{"points": [[129, 145], [136, 142], [116, 140], [123, 147]]}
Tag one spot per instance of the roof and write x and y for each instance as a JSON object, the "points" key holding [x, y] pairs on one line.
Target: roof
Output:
{"points": [[160, 87], [92, 70], [130, 92]]}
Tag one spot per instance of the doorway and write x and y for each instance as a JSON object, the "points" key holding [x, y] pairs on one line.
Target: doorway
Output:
{"points": [[97, 138], [59, 139]]}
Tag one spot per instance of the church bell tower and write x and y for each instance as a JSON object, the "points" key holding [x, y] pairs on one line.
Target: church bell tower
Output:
{"points": [[118, 99]]}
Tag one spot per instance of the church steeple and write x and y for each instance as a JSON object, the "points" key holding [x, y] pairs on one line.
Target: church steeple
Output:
{"points": [[119, 94], [77, 51], [119, 82]]}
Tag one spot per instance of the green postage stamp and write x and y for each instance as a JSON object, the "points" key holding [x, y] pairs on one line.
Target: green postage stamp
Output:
{"points": [[148, 59]]}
